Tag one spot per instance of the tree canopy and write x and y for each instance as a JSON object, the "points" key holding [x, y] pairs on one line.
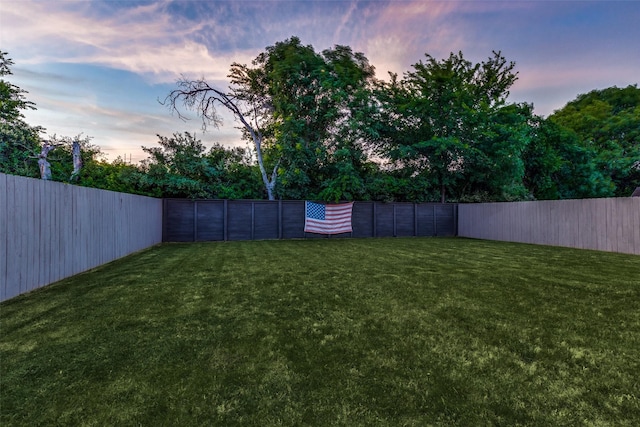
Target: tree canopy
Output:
{"points": [[19, 142], [447, 121], [319, 125], [607, 123]]}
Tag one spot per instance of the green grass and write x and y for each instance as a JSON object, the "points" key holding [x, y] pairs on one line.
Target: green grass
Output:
{"points": [[371, 332]]}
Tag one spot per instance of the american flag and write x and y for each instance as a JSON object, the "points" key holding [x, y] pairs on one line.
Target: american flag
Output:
{"points": [[328, 219]]}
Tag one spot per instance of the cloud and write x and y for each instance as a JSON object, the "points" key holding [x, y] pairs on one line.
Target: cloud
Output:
{"points": [[550, 86], [144, 39], [119, 131], [561, 49], [397, 30]]}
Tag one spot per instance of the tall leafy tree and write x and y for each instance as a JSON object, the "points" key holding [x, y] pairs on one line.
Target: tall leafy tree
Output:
{"points": [[350, 84], [12, 98], [448, 120], [559, 166], [314, 124], [19, 142], [607, 121]]}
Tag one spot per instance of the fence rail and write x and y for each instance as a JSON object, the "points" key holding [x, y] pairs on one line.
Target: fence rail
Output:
{"points": [[611, 225], [212, 220], [50, 230]]}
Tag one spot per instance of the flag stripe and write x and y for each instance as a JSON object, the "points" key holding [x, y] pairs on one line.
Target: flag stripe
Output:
{"points": [[328, 219]]}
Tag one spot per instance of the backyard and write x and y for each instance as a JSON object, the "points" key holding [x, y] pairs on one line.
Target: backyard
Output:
{"points": [[319, 332]]}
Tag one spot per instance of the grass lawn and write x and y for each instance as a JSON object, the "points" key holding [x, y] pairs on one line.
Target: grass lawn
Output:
{"points": [[351, 332]]}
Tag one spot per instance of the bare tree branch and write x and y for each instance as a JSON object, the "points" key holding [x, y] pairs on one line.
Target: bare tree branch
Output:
{"points": [[205, 100]]}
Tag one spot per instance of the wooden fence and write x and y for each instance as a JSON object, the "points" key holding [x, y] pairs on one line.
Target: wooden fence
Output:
{"points": [[50, 230], [211, 220], [611, 225]]}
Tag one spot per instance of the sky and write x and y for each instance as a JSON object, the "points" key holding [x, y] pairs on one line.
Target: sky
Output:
{"points": [[99, 68]]}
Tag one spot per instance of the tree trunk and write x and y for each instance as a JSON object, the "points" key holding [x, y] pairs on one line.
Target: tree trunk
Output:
{"points": [[43, 164], [77, 161]]}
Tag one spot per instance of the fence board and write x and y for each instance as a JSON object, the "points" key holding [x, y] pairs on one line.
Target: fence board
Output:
{"points": [[293, 220], [426, 214], [12, 251], [635, 207], [602, 224], [178, 221], [266, 221], [384, 220], [363, 224], [404, 219], [4, 220], [210, 220], [239, 220], [50, 230]]}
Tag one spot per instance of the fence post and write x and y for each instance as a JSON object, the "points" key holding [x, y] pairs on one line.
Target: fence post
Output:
{"points": [[375, 218], [195, 220], [435, 222], [280, 219], [225, 221], [415, 220], [164, 219], [455, 220], [395, 234]]}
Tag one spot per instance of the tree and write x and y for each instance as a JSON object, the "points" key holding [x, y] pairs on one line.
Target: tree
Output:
{"points": [[448, 121], [19, 145], [181, 167], [235, 174], [314, 125], [299, 108], [248, 110], [19, 142], [559, 166], [12, 99], [65, 156], [117, 175], [496, 167], [608, 122]]}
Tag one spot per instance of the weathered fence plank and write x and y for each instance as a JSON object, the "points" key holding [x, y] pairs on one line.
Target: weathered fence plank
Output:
{"points": [[50, 230], [4, 241], [12, 242], [610, 224]]}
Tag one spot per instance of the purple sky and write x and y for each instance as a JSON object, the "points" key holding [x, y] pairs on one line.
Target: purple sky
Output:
{"points": [[99, 67]]}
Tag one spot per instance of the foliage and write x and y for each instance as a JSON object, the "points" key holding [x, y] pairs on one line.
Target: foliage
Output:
{"points": [[181, 167], [12, 99], [313, 126], [289, 333], [247, 109], [117, 175], [448, 121], [19, 145], [559, 166], [19, 142], [61, 157], [608, 122], [322, 127]]}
